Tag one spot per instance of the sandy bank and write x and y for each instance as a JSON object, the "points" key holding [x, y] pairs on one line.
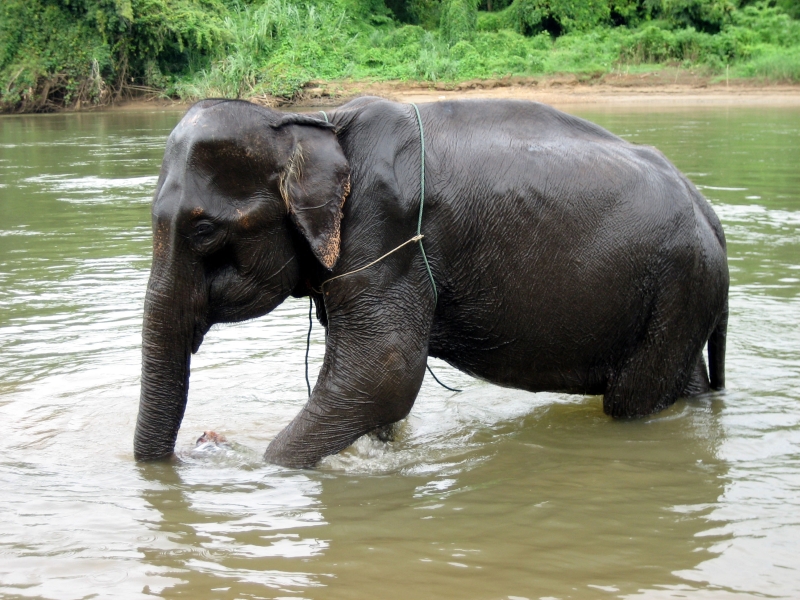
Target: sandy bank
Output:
{"points": [[665, 89], [674, 96], [669, 88]]}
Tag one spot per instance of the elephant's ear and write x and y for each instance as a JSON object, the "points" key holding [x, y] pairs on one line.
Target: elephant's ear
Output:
{"points": [[314, 184]]}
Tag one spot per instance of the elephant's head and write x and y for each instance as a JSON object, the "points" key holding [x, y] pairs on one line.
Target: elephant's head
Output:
{"points": [[240, 189]]}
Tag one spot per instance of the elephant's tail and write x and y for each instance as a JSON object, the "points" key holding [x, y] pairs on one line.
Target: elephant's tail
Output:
{"points": [[716, 352]]}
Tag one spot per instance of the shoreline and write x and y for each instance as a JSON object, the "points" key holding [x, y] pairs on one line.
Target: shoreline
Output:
{"points": [[668, 89], [675, 96], [654, 88]]}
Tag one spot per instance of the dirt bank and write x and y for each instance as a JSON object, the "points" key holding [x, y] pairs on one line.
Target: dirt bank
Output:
{"points": [[671, 88], [664, 89]]}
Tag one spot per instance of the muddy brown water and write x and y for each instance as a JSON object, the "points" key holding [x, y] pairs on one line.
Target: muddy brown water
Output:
{"points": [[491, 493]]}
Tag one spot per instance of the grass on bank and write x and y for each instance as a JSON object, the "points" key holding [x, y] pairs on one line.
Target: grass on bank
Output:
{"points": [[270, 53], [59, 52], [771, 64]]}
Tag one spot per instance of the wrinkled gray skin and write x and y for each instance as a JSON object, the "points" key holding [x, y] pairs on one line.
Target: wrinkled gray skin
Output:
{"points": [[566, 259]]}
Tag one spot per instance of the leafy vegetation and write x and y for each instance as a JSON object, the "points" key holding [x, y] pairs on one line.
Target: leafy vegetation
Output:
{"points": [[65, 52]]}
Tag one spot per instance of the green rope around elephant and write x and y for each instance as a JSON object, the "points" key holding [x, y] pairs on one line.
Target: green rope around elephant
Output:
{"points": [[422, 203], [417, 238], [419, 229]]}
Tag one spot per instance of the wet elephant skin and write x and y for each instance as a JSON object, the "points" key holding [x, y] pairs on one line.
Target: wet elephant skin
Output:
{"points": [[565, 259]]}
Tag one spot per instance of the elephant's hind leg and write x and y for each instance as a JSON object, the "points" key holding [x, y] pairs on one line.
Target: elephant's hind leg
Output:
{"points": [[657, 371]]}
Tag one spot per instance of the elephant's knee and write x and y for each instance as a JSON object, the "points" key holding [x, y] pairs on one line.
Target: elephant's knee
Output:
{"points": [[402, 377]]}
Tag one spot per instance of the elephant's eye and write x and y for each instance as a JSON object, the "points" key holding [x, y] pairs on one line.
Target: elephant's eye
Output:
{"points": [[203, 229]]}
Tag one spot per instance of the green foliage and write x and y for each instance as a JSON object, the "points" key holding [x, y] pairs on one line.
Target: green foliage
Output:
{"points": [[169, 32], [708, 16], [49, 52], [768, 25], [426, 13], [790, 7], [275, 49], [61, 52], [752, 30], [531, 17], [631, 12], [493, 5], [491, 21], [458, 20], [773, 64]]}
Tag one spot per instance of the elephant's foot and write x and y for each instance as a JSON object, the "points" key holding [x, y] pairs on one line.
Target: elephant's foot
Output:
{"points": [[310, 437]]}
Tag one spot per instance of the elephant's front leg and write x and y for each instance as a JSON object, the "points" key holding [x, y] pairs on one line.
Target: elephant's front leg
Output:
{"points": [[375, 357]]}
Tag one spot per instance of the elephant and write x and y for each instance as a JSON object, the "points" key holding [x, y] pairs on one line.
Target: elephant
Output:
{"points": [[551, 255]]}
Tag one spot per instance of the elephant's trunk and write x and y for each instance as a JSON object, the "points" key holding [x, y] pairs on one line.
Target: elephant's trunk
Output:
{"points": [[171, 331]]}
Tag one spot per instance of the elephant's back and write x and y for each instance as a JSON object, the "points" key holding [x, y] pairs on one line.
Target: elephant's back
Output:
{"points": [[530, 165], [496, 121]]}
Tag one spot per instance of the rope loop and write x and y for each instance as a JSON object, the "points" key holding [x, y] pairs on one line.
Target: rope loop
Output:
{"points": [[416, 238]]}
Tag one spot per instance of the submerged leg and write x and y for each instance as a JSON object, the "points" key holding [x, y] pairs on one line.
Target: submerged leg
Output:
{"points": [[375, 356], [665, 363]]}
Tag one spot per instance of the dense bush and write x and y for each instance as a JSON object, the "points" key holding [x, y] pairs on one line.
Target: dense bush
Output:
{"points": [[557, 16], [72, 51], [275, 48], [64, 52], [458, 20], [708, 16], [52, 54]]}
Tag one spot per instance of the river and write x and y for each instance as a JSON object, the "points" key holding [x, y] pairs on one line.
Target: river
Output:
{"points": [[490, 493]]}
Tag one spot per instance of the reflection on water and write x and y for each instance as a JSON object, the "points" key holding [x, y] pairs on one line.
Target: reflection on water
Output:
{"points": [[491, 493]]}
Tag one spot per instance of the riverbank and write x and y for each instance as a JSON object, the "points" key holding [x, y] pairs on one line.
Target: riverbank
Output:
{"points": [[649, 89], [668, 88]]}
